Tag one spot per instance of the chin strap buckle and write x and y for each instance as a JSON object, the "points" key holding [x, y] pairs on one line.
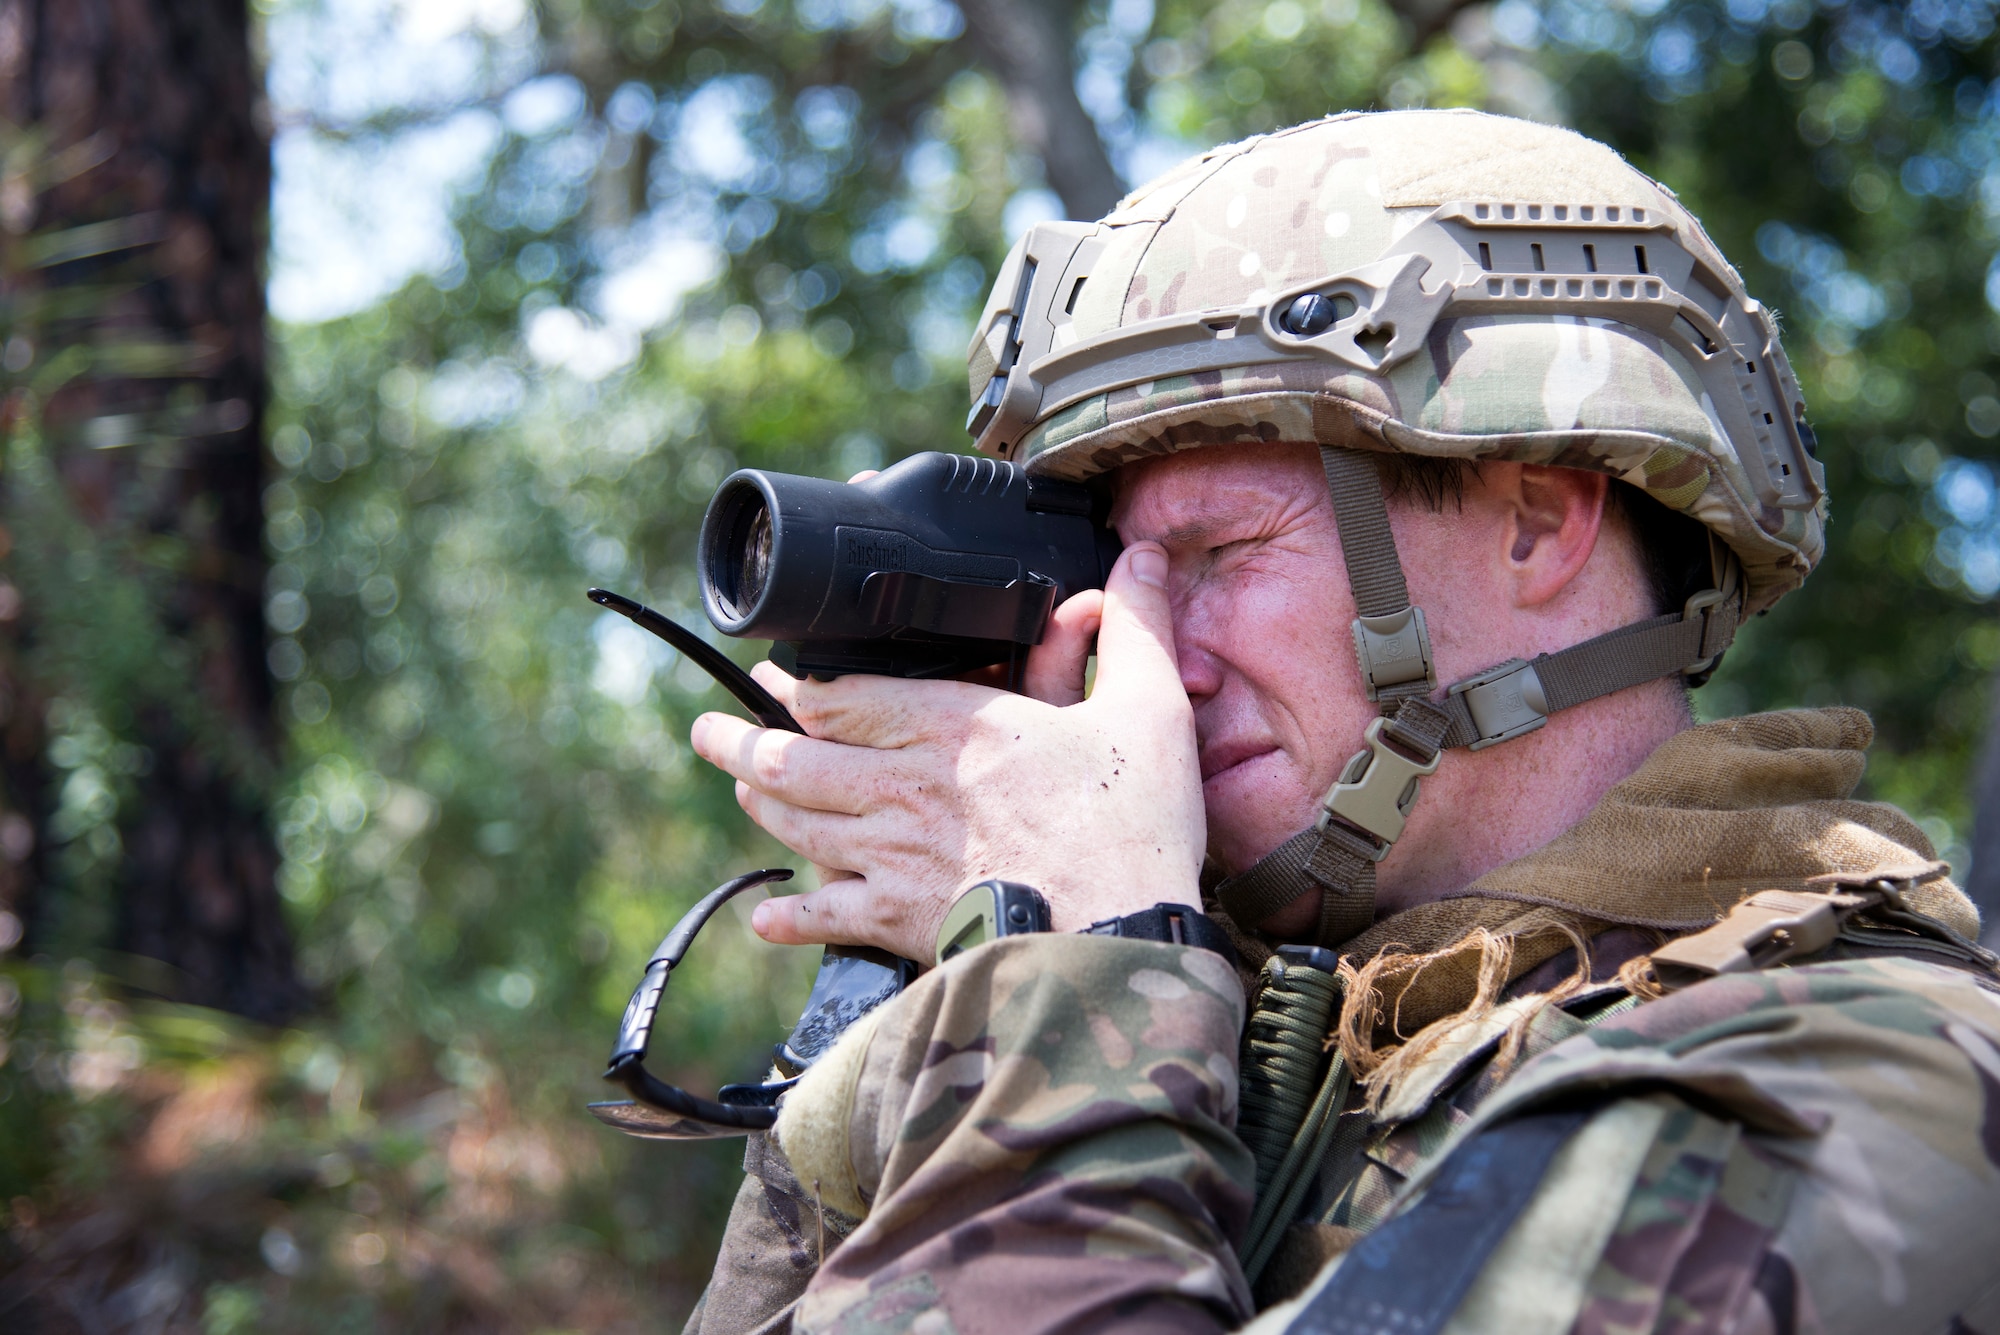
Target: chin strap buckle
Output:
{"points": [[1717, 613], [1394, 650], [1505, 701], [1377, 790]]}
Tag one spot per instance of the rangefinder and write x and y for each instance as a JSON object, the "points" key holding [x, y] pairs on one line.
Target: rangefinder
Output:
{"points": [[937, 566]]}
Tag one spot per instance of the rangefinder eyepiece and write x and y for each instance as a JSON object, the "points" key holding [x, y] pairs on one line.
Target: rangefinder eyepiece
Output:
{"points": [[937, 566], [737, 542]]}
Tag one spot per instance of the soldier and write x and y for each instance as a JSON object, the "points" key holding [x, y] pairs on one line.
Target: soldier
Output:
{"points": [[1449, 454]]}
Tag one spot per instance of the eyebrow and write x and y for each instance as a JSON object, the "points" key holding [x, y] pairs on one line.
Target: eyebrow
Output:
{"points": [[1192, 532], [1201, 529]]}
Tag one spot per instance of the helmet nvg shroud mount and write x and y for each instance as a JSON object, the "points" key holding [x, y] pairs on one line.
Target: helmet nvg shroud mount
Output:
{"points": [[1439, 283]]}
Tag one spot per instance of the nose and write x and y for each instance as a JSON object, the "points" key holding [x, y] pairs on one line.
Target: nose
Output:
{"points": [[1195, 643], [1201, 673]]}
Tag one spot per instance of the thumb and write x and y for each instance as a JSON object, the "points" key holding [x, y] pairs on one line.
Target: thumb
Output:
{"points": [[1055, 668], [1135, 643]]}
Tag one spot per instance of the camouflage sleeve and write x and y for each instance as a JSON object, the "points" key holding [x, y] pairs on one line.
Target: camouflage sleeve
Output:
{"points": [[1802, 1150], [1042, 1133], [776, 1236]]}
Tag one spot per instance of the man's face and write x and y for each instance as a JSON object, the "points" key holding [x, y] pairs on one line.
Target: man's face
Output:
{"points": [[1261, 612]]}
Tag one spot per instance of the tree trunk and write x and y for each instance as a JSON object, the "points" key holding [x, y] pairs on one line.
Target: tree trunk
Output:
{"points": [[1027, 45], [169, 90], [25, 792]]}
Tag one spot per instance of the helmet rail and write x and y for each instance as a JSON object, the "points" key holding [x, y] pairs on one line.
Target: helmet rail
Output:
{"points": [[1622, 264]]}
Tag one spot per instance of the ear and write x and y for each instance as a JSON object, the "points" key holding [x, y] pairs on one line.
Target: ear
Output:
{"points": [[1553, 518]]}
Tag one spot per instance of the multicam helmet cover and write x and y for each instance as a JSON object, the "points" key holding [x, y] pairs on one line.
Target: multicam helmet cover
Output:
{"points": [[1444, 283]]}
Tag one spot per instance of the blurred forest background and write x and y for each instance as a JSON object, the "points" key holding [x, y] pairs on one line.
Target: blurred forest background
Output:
{"points": [[346, 341]]}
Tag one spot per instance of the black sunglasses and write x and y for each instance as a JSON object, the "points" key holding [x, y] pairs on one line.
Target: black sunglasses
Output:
{"points": [[852, 980]]}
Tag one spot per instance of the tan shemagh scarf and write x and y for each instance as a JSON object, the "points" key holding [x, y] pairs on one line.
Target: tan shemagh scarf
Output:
{"points": [[1716, 814]]}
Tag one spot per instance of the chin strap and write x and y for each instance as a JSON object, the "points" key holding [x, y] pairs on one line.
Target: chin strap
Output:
{"points": [[1363, 814]]}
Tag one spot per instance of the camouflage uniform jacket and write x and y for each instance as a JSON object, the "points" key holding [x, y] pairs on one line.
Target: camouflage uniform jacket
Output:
{"points": [[1039, 1136]]}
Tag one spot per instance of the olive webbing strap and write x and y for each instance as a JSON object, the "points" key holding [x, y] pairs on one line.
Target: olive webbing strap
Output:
{"points": [[1628, 656], [1304, 862], [1374, 571], [1642, 651]]}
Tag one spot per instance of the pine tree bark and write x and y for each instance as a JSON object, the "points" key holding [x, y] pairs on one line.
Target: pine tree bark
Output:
{"points": [[169, 91]]}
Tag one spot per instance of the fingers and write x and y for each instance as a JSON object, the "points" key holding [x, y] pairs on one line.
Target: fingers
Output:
{"points": [[848, 913], [814, 918], [1054, 673], [828, 838], [1135, 643], [803, 771], [881, 712], [859, 710]]}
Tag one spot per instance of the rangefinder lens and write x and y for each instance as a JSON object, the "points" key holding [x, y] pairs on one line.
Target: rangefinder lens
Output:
{"points": [[753, 561], [740, 564]]}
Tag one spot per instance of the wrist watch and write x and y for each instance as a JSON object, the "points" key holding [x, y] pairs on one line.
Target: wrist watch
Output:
{"points": [[993, 909]]}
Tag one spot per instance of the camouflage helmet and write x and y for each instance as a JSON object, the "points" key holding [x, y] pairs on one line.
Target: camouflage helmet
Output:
{"points": [[1452, 283]]}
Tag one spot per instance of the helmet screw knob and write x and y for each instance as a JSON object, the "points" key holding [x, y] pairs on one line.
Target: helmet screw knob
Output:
{"points": [[1309, 315]]}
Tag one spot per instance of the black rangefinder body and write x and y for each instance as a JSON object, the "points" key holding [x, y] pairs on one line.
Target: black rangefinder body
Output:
{"points": [[939, 565]]}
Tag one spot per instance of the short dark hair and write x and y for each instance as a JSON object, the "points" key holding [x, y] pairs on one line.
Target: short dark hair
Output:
{"points": [[1673, 547]]}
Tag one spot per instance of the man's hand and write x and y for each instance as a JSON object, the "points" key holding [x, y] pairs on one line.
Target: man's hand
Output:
{"points": [[917, 789]]}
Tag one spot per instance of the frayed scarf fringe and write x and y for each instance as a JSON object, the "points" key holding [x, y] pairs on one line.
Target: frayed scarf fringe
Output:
{"points": [[1367, 1012]]}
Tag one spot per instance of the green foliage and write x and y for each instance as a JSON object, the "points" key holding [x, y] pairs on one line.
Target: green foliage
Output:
{"points": [[1217, 73]]}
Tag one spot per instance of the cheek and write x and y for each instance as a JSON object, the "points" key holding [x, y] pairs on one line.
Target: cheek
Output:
{"points": [[1284, 636], [1244, 621], [1470, 614], [1289, 665], [1297, 655]]}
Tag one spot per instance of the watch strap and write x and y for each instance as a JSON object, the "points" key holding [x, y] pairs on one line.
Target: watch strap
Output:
{"points": [[1174, 924], [995, 908]]}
